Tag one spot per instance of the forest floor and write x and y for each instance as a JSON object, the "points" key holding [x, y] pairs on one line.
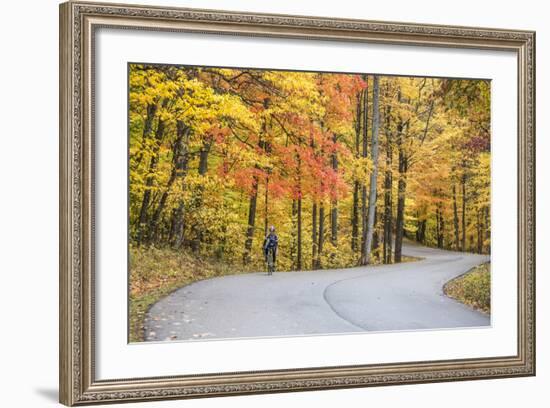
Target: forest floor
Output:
{"points": [[405, 296]]}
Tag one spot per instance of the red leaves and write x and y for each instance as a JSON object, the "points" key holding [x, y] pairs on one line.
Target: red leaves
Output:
{"points": [[478, 143], [248, 178], [294, 149], [218, 133]]}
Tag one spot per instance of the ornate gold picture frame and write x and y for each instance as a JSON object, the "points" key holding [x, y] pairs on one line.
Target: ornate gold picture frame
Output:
{"points": [[78, 24]]}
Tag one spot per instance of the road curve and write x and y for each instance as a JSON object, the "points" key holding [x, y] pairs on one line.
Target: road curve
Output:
{"points": [[407, 296]]}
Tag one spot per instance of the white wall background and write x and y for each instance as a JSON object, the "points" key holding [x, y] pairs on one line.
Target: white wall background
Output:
{"points": [[29, 193]]}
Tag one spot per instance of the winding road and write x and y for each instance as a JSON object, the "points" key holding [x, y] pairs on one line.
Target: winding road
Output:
{"points": [[406, 296]]}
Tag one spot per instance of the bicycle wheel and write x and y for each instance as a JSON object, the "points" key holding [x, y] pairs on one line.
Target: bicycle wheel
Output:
{"points": [[270, 265]]}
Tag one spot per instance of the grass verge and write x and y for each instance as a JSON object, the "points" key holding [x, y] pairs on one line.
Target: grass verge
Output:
{"points": [[473, 288]]}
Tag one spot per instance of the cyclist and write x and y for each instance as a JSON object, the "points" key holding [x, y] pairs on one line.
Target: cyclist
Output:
{"points": [[270, 244]]}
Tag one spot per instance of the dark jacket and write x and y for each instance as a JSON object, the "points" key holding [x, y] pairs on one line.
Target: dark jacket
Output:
{"points": [[271, 241]]}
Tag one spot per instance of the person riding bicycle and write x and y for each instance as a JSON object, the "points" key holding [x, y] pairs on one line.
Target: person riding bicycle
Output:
{"points": [[271, 242]]}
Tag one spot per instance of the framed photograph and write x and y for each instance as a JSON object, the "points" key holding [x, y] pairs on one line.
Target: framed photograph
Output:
{"points": [[255, 203]]}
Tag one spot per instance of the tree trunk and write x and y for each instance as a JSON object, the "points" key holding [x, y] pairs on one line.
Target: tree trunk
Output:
{"points": [[179, 169], [363, 185], [299, 254], [253, 201], [294, 236], [176, 237], [388, 186], [388, 218], [479, 232], [334, 209], [401, 191], [203, 156], [148, 125], [455, 219], [177, 227], [197, 201], [376, 235], [487, 229], [442, 228], [321, 233], [142, 225], [147, 129], [251, 221], [439, 226], [374, 173], [355, 211], [421, 231], [314, 236], [363, 222], [463, 212], [355, 217], [266, 206]]}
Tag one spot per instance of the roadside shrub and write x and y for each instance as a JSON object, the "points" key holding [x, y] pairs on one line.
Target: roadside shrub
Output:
{"points": [[473, 288]]}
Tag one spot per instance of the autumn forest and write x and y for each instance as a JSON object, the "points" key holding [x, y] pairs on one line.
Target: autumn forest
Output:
{"points": [[345, 166]]}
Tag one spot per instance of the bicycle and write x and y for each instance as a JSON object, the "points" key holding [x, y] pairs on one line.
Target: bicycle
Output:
{"points": [[270, 259]]}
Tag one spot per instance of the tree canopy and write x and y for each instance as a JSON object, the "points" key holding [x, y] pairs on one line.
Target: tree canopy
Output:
{"points": [[343, 165]]}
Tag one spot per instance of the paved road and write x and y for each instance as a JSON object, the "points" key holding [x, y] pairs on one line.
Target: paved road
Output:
{"points": [[406, 296]]}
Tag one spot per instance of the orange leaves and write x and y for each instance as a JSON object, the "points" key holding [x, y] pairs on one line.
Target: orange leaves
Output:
{"points": [[340, 92], [280, 136], [219, 133]]}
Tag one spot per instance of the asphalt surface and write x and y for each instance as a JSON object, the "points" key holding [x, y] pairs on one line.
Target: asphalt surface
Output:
{"points": [[406, 296]]}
